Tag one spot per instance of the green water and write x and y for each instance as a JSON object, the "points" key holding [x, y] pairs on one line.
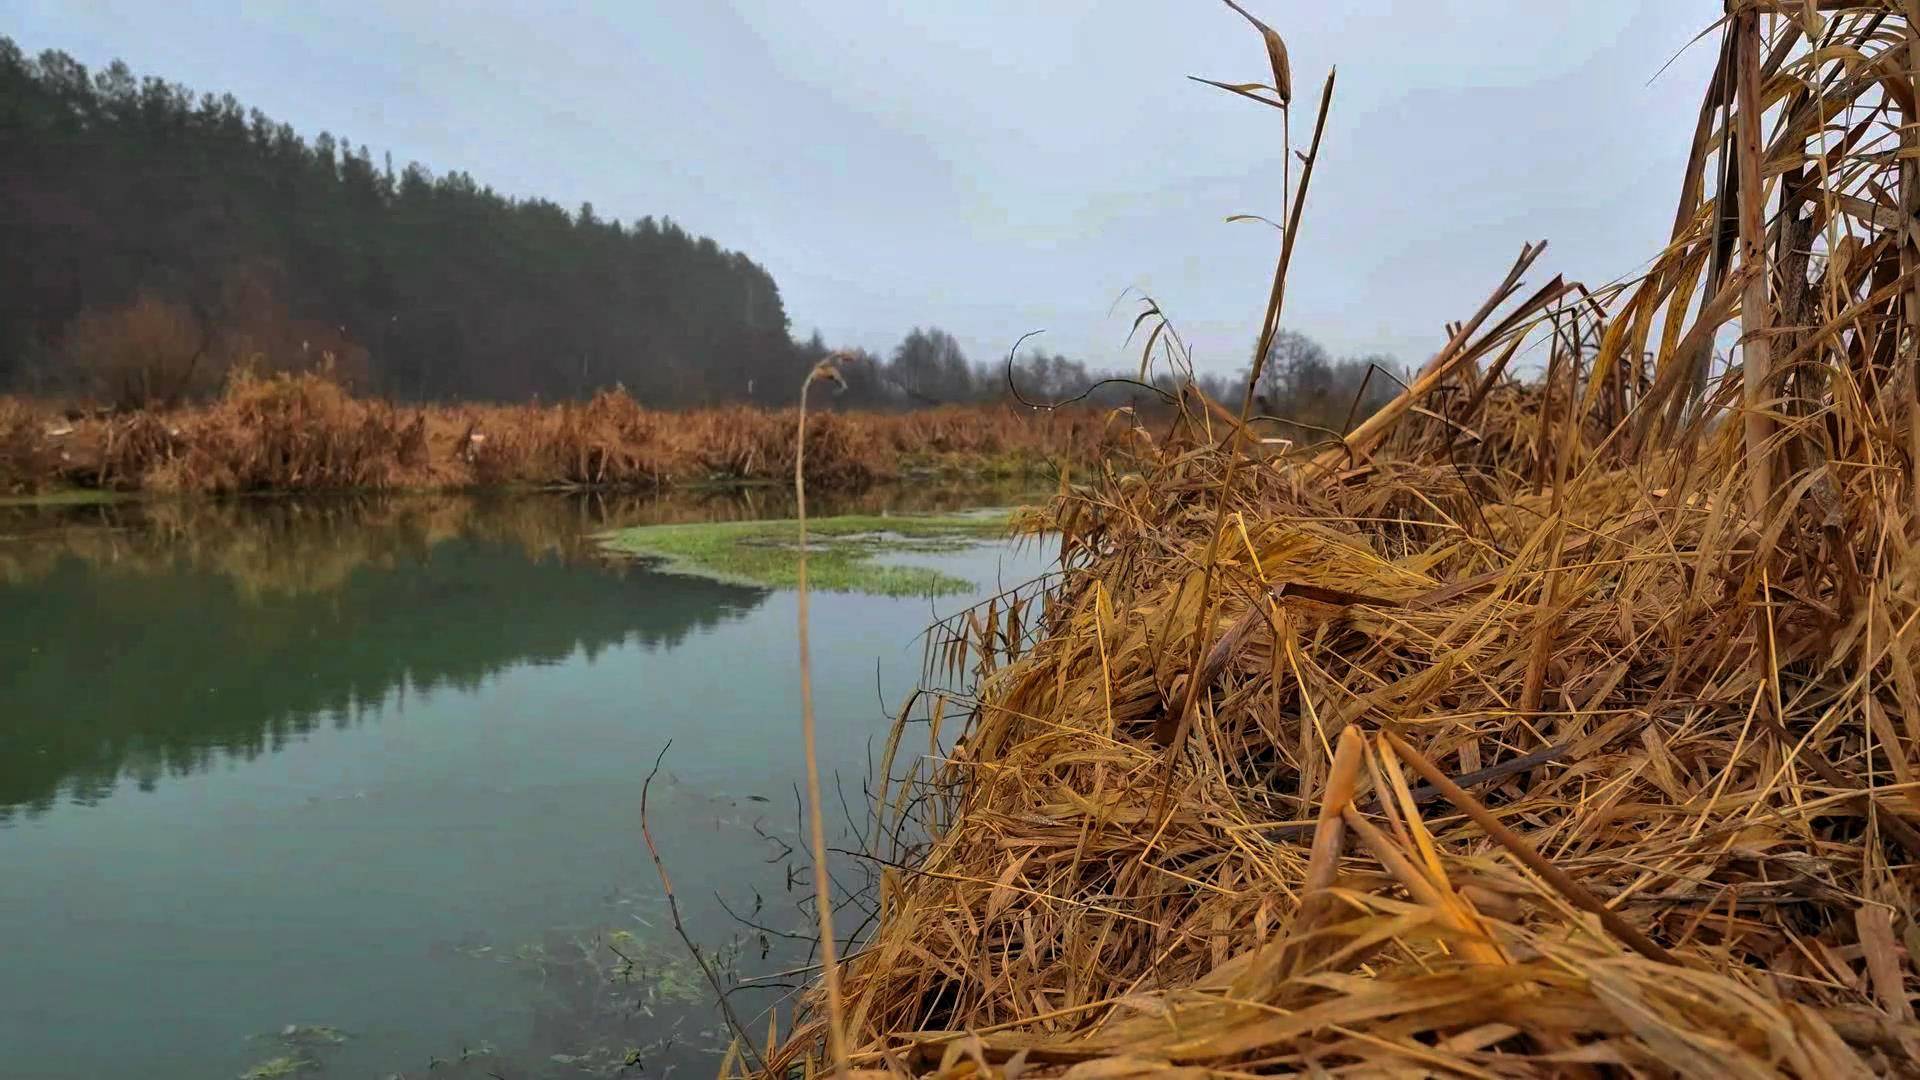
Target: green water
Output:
{"points": [[374, 767]]}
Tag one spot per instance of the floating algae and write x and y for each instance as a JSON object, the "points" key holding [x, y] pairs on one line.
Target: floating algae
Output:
{"points": [[280, 1067], [311, 1035], [844, 553], [300, 1041]]}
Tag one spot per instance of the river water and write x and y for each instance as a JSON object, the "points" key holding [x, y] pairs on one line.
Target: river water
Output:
{"points": [[351, 788]]}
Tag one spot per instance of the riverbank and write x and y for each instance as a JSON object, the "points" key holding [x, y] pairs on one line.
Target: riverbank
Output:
{"points": [[1528, 731], [1334, 784], [305, 433]]}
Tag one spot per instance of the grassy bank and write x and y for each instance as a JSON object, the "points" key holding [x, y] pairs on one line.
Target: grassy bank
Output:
{"points": [[304, 433], [843, 553], [1344, 782], [1560, 729]]}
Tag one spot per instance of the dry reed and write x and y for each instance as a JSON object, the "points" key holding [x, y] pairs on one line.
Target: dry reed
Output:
{"points": [[305, 433], [1564, 728]]}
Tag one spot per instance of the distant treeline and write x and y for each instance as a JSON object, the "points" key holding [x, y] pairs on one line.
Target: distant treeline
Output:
{"points": [[1301, 382], [153, 239], [150, 236]]}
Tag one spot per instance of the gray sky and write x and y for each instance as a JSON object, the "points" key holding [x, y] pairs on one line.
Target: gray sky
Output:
{"points": [[992, 166]]}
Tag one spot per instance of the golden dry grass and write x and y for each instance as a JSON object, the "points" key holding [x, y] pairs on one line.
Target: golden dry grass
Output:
{"points": [[305, 433], [1520, 733]]}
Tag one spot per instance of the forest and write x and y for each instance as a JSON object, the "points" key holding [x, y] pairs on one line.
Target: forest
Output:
{"points": [[154, 239]]}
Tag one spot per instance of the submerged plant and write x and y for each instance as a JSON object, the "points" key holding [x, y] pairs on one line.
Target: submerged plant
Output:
{"points": [[280, 1068], [311, 1035]]}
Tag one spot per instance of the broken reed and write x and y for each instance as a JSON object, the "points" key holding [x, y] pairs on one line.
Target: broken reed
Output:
{"points": [[305, 433], [1530, 729]]}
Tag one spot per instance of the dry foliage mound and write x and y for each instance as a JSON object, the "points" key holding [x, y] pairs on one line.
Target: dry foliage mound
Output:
{"points": [[1570, 728], [1276, 882]]}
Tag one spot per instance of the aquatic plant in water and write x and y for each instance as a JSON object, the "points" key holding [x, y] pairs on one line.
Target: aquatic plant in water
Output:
{"points": [[280, 1067], [843, 553]]}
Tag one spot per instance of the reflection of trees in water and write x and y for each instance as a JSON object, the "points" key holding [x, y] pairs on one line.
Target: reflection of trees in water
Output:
{"points": [[147, 641], [286, 545]]}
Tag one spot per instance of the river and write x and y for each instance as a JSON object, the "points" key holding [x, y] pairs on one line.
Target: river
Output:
{"points": [[351, 787]]}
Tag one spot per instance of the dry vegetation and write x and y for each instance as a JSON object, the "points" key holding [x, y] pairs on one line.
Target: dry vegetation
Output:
{"points": [[1564, 729], [303, 432]]}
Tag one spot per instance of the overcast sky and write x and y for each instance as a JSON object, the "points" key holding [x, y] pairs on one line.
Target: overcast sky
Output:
{"points": [[993, 166]]}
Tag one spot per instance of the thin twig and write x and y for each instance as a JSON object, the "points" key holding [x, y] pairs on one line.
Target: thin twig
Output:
{"points": [[673, 909], [1276, 303]]}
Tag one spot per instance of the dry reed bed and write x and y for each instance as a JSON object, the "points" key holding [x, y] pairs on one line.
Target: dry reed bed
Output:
{"points": [[1562, 729], [305, 433]]}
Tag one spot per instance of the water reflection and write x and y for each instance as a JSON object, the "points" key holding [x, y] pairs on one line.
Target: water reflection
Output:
{"points": [[452, 883], [139, 641]]}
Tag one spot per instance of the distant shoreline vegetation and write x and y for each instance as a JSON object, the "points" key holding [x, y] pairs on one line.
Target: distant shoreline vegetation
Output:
{"points": [[295, 433]]}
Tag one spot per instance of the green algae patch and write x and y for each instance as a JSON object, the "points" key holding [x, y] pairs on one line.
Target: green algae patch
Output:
{"points": [[283, 1067], [843, 553]]}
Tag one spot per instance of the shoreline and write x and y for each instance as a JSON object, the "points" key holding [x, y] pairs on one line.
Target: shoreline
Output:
{"points": [[960, 476], [303, 433]]}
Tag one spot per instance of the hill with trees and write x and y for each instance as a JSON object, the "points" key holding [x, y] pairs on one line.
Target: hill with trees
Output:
{"points": [[153, 239]]}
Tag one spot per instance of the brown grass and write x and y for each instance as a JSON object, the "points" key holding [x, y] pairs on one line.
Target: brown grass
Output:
{"points": [[1520, 733], [302, 432]]}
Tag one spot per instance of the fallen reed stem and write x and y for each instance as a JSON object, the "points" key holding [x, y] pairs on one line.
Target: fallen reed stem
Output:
{"points": [[1507, 838]]}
